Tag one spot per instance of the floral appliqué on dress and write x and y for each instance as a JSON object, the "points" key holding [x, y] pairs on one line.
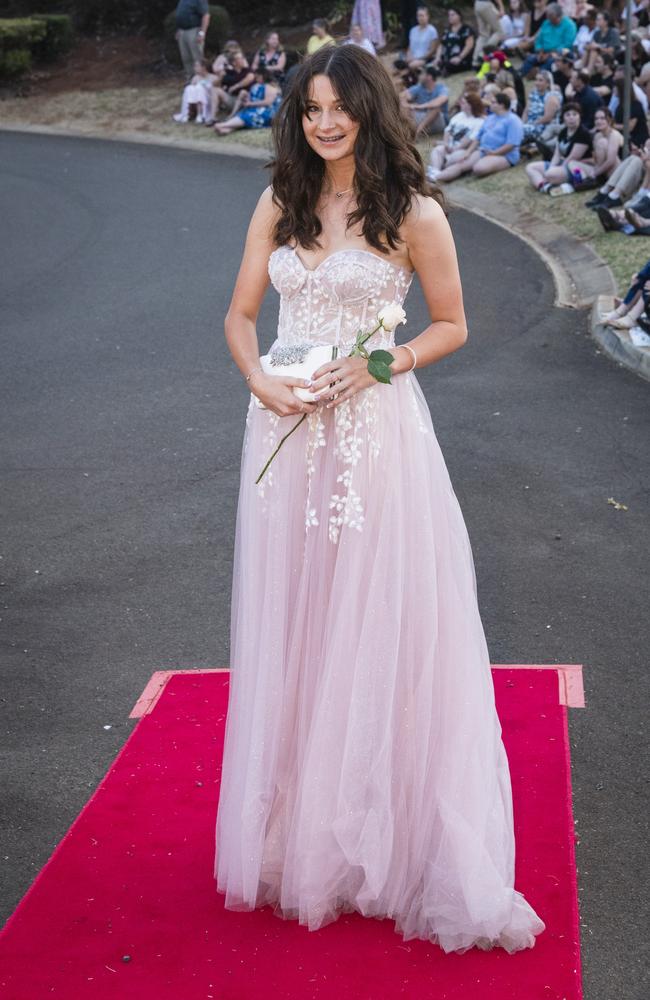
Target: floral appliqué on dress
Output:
{"points": [[328, 305]]}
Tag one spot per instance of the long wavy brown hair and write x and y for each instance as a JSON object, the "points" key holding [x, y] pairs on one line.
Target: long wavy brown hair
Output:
{"points": [[388, 167]]}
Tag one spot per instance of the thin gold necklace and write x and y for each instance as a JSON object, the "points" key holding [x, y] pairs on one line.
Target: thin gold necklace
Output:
{"points": [[339, 194]]}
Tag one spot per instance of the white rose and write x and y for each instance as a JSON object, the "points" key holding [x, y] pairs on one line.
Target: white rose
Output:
{"points": [[391, 316]]}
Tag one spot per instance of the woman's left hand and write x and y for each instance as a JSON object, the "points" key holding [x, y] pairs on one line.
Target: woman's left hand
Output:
{"points": [[340, 379]]}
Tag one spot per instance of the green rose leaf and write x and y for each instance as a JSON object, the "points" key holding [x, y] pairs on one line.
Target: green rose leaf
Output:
{"points": [[384, 356], [379, 370]]}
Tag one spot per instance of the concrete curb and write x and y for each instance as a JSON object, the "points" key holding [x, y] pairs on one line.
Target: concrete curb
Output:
{"points": [[582, 278], [142, 138], [617, 343], [579, 274]]}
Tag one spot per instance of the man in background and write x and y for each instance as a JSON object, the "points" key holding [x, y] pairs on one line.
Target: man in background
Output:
{"points": [[192, 20]]}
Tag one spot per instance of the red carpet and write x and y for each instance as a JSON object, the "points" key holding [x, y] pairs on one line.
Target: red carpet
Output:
{"points": [[133, 877]]}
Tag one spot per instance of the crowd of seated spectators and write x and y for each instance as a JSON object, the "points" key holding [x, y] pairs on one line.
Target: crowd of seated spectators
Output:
{"points": [[544, 82], [240, 90], [548, 87]]}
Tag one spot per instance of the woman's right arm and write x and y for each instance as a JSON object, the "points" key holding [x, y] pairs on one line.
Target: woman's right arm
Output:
{"points": [[610, 160], [240, 321], [578, 152]]}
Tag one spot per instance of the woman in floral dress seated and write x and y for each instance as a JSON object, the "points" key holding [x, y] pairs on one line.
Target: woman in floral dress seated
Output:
{"points": [[272, 57], [258, 106]]}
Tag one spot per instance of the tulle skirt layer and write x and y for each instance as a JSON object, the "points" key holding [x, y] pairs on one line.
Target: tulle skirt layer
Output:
{"points": [[363, 767]]}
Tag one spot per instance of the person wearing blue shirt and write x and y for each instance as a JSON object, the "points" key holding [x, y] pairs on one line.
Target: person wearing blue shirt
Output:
{"points": [[496, 146], [555, 36], [428, 102]]}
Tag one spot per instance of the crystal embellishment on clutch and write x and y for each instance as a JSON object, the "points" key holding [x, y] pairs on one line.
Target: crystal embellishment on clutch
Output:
{"points": [[289, 354]]}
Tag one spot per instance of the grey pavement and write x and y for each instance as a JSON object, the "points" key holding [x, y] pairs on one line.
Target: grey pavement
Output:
{"points": [[122, 422]]}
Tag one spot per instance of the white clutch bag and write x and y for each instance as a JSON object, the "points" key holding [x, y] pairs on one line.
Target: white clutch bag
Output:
{"points": [[297, 361]]}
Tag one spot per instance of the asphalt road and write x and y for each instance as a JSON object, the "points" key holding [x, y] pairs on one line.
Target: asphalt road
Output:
{"points": [[122, 421]]}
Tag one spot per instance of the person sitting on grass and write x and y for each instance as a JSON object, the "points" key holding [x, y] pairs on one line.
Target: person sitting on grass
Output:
{"points": [[223, 62], [495, 148], [563, 68], [605, 40], [625, 180], [620, 317], [427, 102], [454, 54], [631, 216], [584, 35], [542, 108], [258, 106], [515, 25], [320, 37], [472, 85], [197, 95], [591, 171], [556, 34], [422, 47], [579, 90], [537, 17], [423, 40], [463, 127], [236, 80], [602, 75], [640, 56], [496, 76], [357, 37], [572, 144], [271, 56]]}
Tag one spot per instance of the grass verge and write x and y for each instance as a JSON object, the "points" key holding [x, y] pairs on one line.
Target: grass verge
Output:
{"points": [[149, 109]]}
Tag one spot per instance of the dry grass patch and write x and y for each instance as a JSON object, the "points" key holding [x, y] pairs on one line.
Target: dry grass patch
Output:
{"points": [[148, 110]]}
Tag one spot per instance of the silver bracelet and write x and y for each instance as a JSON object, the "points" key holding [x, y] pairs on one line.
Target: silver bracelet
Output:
{"points": [[415, 360], [258, 369]]}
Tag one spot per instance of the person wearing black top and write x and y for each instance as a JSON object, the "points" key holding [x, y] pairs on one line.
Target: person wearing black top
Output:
{"points": [[562, 72], [585, 96], [602, 77], [457, 44], [640, 57], [574, 142]]}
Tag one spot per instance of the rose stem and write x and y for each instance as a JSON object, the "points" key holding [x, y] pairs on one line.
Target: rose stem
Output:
{"points": [[288, 434]]}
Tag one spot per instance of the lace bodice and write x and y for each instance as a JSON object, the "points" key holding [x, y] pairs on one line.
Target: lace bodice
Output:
{"points": [[328, 304]]}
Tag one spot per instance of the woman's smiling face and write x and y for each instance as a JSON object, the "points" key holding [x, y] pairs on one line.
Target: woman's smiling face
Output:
{"points": [[328, 128]]}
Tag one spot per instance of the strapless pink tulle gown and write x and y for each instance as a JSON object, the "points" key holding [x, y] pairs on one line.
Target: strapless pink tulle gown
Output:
{"points": [[363, 766]]}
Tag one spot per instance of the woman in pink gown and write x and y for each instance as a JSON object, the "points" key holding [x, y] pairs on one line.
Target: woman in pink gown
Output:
{"points": [[363, 766]]}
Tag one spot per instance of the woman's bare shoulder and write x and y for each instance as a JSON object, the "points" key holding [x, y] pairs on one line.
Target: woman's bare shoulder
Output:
{"points": [[266, 214], [425, 218]]}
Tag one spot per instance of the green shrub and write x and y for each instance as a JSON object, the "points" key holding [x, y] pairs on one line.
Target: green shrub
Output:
{"points": [[20, 32], [18, 38], [15, 62], [57, 39], [219, 31]]}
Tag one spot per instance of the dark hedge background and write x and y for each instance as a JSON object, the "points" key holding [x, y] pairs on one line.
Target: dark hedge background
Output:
{"points": [[98, 15]]}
